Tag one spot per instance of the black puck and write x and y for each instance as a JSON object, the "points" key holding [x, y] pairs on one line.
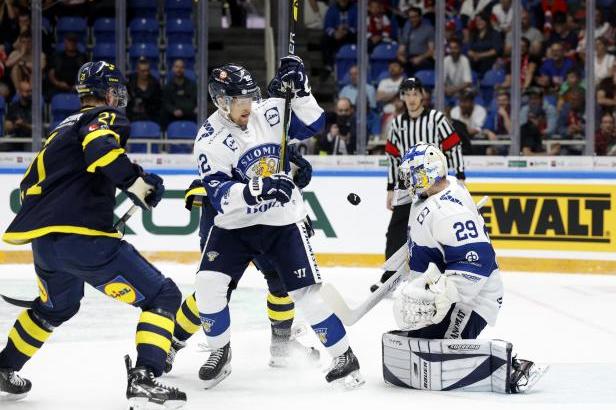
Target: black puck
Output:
{"points": [[353, 198]]}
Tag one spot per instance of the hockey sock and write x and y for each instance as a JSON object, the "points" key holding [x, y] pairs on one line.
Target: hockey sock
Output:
{"points": [[153, 339], [281, 311], [212, 288], [187, 319], [25, 339]]}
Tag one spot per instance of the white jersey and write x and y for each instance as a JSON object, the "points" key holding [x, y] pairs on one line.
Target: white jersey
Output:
{"points": [[228, 156], [447, 229]]}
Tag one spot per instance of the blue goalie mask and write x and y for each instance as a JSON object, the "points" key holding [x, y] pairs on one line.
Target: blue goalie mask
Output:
{"points": [[422, 166]]}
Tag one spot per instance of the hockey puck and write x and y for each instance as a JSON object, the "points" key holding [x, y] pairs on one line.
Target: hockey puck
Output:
{"points": [[354, 199]]}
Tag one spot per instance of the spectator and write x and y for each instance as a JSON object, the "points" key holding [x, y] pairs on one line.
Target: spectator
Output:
{"points": [[20, 60], [65, 65], [546, 12], [472, 8], [387, 91], [536, 101], [144, 92], [471, 114], [603, 61], [457, 69], [606, 92], [572, 84], [350, 90], [24, 26], [416, 48], [379, 26], [9, 29], [314, 13], [340, 138], [534, 36], [502, 15], [562, 34], [498, 121], [19, 116], [530, 133], [571, 118], [605, 137], [485, 46], [529, 64], [603, 28], [554, 70], [340, 29], [179, 97]]}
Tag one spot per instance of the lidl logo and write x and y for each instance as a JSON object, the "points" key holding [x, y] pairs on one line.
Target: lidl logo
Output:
{"points": [[121, 289]]}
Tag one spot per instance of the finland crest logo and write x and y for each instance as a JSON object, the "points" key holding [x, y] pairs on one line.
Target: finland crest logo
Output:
{"points": [[207, 324], [211, 255], [322, 334]]}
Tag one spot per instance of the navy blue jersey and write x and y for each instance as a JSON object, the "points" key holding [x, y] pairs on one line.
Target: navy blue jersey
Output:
{"points": [[70, 185]]}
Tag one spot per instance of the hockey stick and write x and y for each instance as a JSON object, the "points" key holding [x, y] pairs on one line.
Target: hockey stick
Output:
{"points": [[284, 141], [398, 262], [119, 226]]}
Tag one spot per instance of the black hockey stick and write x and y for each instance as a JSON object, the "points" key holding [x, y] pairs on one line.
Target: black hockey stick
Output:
{"points": [[119, 226], [288, 94]]}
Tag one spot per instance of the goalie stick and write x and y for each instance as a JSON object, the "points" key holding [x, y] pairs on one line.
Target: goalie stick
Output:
{"points": [[119, 226]]}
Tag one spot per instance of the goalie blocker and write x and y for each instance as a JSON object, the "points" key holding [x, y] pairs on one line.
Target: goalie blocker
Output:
{"points": [[456, 364]]}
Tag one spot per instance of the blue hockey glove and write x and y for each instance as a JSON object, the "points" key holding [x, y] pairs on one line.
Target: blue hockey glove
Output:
{"points": [[303, 174], [278, 187], [291, 75], [146, 191]]}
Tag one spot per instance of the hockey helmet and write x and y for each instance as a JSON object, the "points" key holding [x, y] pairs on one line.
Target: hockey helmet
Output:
{"points": [[411, 83], [422, 166], [98, 78], [231, 81]]}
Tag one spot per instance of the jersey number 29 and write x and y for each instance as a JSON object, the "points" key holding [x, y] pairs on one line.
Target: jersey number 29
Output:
{"points": [[465, 230]]}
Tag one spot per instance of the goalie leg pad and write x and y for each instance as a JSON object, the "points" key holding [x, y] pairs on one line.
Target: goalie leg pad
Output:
{"points": [[447, 364]]}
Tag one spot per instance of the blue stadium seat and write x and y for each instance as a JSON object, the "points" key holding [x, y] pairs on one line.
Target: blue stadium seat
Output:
{"points": [[380, 58], [490, 79], [143, 30], [104, 51], [181, 130], [62, 105], [81, 47], [190, 74], [147, 50], [77, 25], [178, 9], [427, 77], [104, 30], [346, 57], [185, 52], [144, 8], [180, 30], [144, 129], [2, 112]]}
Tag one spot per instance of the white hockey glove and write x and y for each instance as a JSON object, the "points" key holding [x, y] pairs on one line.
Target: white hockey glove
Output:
{"points": [[425, 300]]}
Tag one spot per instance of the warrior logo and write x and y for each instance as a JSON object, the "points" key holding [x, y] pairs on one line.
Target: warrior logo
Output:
{"points": [[211, 255], [322, 334]]}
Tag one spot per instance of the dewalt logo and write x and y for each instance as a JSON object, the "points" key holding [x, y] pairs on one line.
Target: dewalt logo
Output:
{"points": [[551, 217]]}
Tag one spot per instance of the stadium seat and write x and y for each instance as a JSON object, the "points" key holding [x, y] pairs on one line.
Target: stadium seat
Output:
{"points": [[147, 50], [81, 47], [143, 30], [104, 30], [62, 105], [178, 9], [346, 57], [380, 58], [185, 52], [190, 74], [104, 51], [77, 25], [180, 30], [383, 75], [2, 111], [181, 130], [427, 77], [144, 129], [144, 8], [490, 79]]}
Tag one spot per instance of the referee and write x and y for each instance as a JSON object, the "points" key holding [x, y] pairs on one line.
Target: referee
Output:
{"points": [[418, 124]]}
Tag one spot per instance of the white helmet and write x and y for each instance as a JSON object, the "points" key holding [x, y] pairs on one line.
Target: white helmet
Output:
{"points": [[422, 166]]}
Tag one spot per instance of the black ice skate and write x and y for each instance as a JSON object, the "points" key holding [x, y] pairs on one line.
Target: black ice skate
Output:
{"points": [[345, 370], [217, 367], [145, 392], [13, 387], [285, 352], [525, 374], [176, 346]]}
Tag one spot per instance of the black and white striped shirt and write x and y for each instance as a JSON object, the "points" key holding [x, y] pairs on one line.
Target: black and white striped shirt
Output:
{"points": [[430, 127]]}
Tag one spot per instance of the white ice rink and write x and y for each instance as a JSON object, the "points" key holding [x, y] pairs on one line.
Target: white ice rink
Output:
{"points": [[565, 320]]}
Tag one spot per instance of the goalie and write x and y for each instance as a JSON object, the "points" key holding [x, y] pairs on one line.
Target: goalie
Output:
{"points": [[454, 290]]}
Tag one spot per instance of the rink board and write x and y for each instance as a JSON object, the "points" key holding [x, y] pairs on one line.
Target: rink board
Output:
{"points": [[566, 221]]}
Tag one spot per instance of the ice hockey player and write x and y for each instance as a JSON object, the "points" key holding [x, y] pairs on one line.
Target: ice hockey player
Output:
{"points": [[284, 350], [67, 202], [454, 291], [259, 211]]}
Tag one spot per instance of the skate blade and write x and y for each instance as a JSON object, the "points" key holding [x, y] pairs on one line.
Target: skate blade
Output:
{"points": [[142, 403], [12, 397], [224, 373], [536, 373], [351, 381]]}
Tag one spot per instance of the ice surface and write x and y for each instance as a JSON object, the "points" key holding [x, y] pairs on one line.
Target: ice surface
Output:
{"points": [[565, 320]]}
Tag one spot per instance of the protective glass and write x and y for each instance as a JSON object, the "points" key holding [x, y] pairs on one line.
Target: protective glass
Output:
{"points": [[119, 94]]}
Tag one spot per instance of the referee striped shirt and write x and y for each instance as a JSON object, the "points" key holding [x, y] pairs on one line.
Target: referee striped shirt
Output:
{"points": [[430, 127]]}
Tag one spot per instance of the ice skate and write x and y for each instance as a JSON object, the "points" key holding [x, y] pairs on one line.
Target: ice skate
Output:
{"points": [[176, 346], [217, 367], [13, 387], [345, 371], [525, 374], [144, 392]]}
